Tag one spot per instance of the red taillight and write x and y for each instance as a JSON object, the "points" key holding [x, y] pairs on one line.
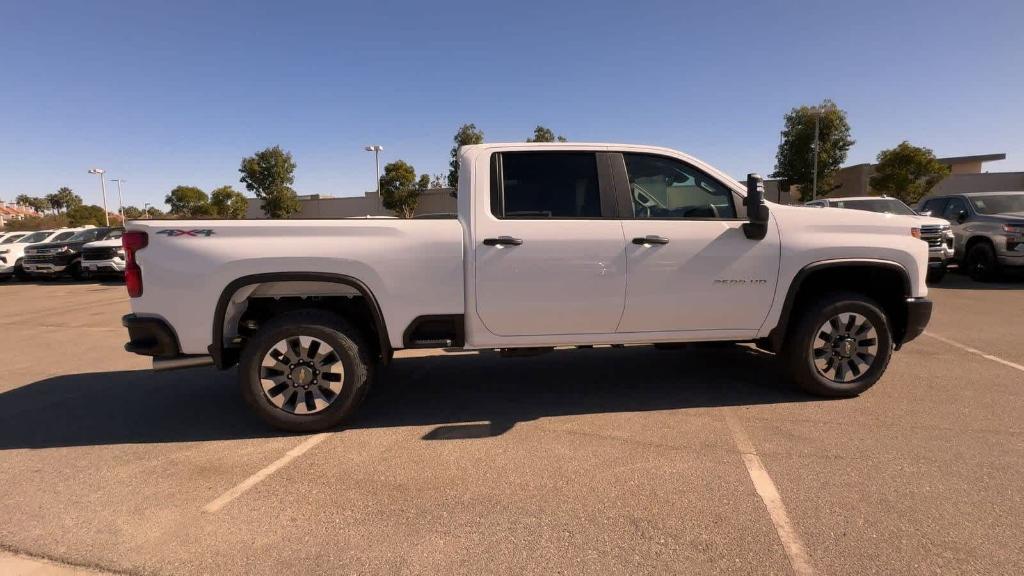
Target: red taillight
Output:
{"points": [[133, 242]]}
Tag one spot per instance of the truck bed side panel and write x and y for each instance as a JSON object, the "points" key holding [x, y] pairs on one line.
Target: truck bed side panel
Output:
{"points": [[413, 267]]}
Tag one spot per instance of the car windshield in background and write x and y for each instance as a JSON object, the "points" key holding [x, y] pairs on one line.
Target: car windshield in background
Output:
{"points": [[12, 239], [113, 234], [885, 206], [35, 237], [998, 203], [85, 236]]}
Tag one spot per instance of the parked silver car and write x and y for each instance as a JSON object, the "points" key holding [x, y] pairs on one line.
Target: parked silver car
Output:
{"points": [[936, 232], [988, 226]]}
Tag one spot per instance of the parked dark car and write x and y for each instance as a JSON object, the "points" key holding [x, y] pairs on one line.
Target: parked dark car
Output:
{"points": [[56, 259]]}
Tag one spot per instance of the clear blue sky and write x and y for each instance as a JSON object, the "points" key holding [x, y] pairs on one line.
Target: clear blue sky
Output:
{"points": [[177, 92]]}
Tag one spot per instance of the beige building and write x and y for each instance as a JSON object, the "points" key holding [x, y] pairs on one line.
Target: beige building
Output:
{"points": [[433, 201], [965, 176]]}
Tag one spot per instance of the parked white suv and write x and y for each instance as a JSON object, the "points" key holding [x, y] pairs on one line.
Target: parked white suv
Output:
{"points": [[561, 244], [935, 231], [12, 254]]}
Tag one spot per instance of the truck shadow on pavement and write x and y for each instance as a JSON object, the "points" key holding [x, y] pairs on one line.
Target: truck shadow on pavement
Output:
{"points": [[462, 396]]}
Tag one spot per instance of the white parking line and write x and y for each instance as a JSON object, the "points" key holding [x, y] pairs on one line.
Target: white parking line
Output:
{"points": [[765, 487], [258, 477], [966, 348]]}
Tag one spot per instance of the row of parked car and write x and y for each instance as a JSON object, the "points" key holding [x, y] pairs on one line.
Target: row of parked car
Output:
{"points": [[76, 252], [983, 232]]}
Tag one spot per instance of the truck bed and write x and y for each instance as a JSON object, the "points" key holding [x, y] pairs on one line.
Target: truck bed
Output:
{"points": [[412, 267]]}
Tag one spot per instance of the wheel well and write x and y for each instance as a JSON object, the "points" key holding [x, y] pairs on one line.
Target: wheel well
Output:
{"points": [[886, 284], [248, 303], [975, 240]]}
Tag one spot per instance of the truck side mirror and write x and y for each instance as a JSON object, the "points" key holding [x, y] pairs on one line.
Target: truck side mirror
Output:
{"points": [[961, 216], [757, 210]]}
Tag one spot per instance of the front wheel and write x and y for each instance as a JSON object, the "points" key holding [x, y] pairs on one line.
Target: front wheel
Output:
{"points": [[305, 371], [840, 345], [981, 262]]}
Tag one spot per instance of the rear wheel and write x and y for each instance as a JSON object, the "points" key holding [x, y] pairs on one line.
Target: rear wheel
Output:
{"points": [[981, 262], [840, 346], [935, 275], [305, 371]]}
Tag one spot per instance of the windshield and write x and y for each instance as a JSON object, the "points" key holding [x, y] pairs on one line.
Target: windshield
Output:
{"points": [[12, 239], [85, 235], [35, 237], [998, 203], [883, 205]]}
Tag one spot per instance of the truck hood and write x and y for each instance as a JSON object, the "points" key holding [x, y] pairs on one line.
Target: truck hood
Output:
{"points": [[113, 243], [851, 220], [72, 246], [1008, 217]]}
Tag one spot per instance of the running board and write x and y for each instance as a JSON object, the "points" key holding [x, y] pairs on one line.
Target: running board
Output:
{"points": [[161, 364]]}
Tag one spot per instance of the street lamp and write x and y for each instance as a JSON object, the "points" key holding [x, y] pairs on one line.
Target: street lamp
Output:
{"points": [[103, 190], [120, 202], [814, 178], [146, 211], [377, 149]]}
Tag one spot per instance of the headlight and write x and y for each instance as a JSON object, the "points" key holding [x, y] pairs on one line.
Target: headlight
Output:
{"points": [[61, 250], [916, 233], [1013, 228]]}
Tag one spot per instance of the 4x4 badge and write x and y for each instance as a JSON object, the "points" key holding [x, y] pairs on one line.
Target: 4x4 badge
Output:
{"points": [[175, 233]]}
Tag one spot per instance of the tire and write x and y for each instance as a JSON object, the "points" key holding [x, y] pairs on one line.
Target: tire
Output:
{"points": [[76, 271], [981, 262], [19, 271], [853, 364], [935, 275], [280, 403]]}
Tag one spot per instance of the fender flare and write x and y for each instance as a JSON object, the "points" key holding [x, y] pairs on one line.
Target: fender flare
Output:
{"points": [[224, 359], [778, 333]]}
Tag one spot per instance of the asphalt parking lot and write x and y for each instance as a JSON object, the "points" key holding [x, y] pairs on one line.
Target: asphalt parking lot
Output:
{"points": [[595, 461]]}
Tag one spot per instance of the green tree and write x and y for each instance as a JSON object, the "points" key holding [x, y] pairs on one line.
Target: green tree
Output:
{"points": [[794, 161], [544, 134], [38, 204], [133, 213], [188, 202], [399, 190], [423, 182], [154, 212], [63, 200], [83, 215], [228, 203], [269, 174], [467, 135], [907, 172]]}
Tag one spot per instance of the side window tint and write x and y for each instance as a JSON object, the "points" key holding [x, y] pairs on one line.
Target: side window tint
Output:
{"points": [[953, 208], [536, 185], [63, 236], [935, 206], [665, 188]]}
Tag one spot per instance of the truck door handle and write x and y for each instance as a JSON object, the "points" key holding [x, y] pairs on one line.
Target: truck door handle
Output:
{"points": [[650, 240], [503, 241]]}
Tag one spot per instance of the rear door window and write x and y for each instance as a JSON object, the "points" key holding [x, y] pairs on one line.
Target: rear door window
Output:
{"points": [[545, 185]]}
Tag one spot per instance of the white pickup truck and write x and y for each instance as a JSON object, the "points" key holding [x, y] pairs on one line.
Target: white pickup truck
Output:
{"points": [[554, 245]]}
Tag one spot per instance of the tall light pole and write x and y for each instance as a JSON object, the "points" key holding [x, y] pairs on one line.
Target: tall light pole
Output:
{"points": [[146, 211], [377, 149], [120, 202], [103, 190], [814, 178]]}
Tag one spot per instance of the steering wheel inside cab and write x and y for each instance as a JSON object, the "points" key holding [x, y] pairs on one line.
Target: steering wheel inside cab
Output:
{"points": [[644, 201]]}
